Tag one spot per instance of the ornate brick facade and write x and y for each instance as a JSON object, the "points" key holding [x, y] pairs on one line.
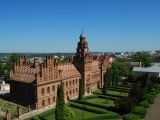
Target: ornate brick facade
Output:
{"points": [[36, 84]]}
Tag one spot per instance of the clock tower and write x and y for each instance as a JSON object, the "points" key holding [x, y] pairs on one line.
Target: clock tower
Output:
{"points": [[82, 48], [83, 62]]}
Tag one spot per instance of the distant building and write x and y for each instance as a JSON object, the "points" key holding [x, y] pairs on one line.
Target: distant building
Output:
{"points": [[4, 88], [35, 84], [153, 70]]}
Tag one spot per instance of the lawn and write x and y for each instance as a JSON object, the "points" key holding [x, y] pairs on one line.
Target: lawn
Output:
{"points": [[125, 94], [101, 101], [9, 106], [79, 115], [2, 102]]}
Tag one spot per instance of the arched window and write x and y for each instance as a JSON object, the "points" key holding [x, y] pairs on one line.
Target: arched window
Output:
{"points": [[43, 103], [48, 90], [54, 99], [76, 90], [66, 84], [73, 82], [42, 91], [53, 88]]}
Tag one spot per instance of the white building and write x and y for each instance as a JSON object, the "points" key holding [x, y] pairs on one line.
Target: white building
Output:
{"points": [[4, 88], [154, 69]]}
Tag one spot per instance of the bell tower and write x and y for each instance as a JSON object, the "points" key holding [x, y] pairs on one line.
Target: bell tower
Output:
{"points": [[82, 48], [83, 62]]}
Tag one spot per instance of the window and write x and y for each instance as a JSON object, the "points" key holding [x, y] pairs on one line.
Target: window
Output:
{"points": [[43, 103], [76, 81], [54, 99], [66, 84], [70, 83], [73, 82], [53, 88], [42, 91], [76, 90], [48, 90]]}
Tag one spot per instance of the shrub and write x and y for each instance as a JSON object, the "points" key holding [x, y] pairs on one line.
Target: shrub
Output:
{"points": [[69, 114], [144, 104], [137, 92], [140, 111], [125, 105], [130, 117], [150, 98], [157, 87], [153, 93]]}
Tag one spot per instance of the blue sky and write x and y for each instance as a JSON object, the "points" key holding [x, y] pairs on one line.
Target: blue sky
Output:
{"points": [[55, 25]]}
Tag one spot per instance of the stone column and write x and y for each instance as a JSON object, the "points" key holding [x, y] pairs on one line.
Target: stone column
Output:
{"points": [[36, 105], [19, 111], [8, 115], [29, 108]]}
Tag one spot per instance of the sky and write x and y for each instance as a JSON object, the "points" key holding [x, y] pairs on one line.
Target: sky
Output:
{"points": [[55, 25]]}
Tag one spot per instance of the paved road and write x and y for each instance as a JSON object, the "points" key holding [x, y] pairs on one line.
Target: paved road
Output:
{"points": [[154, 110]]}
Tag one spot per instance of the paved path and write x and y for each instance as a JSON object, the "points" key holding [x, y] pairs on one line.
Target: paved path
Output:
{"points": [[154, 110]]}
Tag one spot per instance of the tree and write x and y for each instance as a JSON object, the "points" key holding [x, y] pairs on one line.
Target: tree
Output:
{"points": [[105, 85], [81, 89], [111, 82], [60, 103], [69, 114], [115, 74], [144, 58], [1, 69], [12, 59]]}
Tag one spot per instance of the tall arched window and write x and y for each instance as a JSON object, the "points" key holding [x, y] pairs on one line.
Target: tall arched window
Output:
{"points": [[53, 88], [42, 91], [43, 103], [48, 90]]}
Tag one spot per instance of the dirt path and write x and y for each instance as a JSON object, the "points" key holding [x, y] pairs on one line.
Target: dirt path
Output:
{"points": [[154, 110]]}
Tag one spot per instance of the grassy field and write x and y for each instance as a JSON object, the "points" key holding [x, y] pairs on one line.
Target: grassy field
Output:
{"points": [[79, 115], [8, 106], [116, 93], [1, 102], [101, 101]]}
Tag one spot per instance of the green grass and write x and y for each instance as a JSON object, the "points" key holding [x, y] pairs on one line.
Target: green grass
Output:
{"points": [[9, 106], [84, 114], [101, 101], [78, 115], [2, 102]]}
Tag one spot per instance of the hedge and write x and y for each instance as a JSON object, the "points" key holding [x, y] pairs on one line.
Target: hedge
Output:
{"points": [[109, 116], [88, 108], [130, 117], [140, 111], [91, 104], [149, 97], [144, 104]]}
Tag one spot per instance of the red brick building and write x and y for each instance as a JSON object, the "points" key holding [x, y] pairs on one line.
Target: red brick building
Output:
{"points": [[36, 84]]}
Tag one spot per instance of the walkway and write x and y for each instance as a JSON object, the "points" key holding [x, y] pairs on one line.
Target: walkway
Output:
{"points": [[154, 110]]}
